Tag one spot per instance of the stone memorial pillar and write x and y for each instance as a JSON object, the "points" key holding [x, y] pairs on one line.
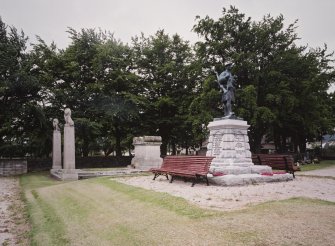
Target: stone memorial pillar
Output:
{"points": [[56, 147], [69, 161], [147, 152], [229, 144]]}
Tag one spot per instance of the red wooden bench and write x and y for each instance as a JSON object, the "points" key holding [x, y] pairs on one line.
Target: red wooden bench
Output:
{"points": [[194, 167], [276, 161]]}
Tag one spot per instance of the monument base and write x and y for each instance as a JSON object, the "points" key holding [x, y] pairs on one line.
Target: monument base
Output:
{"points": [[247, 179], [57, 150], [235, 170], [229, 143], [69, 156], [64, 174], [147, 152]]}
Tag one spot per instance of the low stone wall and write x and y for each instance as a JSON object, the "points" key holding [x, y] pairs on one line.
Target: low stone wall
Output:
{"points": [[39, 164], [103, 162], [10, 167], [35, 165]]}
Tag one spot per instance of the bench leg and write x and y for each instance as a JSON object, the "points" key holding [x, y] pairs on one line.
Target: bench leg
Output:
{"points": [[167, 176], [156, 175], [194, 181], [207, 181], [171, 180]]}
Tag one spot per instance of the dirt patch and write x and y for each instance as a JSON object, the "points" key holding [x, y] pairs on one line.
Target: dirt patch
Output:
{"points": [[232, 198], [13, 222]]}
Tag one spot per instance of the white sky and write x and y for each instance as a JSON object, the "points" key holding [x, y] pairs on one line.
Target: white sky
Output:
{"points": [[50, 19], [126, 18]]}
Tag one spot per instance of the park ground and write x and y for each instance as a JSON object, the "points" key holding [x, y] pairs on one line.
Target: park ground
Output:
{"points": [[37, 210]]}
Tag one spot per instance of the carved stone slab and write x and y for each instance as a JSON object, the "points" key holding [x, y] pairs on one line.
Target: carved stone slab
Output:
{"points": [[147, 152], [229, 143]]}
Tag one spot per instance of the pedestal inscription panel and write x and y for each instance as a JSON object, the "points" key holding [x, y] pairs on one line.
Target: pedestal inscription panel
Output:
{"points": [[229, 143]]}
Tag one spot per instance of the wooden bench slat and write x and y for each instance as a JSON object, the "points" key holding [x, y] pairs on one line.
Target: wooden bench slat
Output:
{"points": [[276, 161], [195, 167]]}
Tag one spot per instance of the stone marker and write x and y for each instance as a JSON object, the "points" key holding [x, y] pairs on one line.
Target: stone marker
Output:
{"points": [[69, 170], [56, 146], [147, 152]]}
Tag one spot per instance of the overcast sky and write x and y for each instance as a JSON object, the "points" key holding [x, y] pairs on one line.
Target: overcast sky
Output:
{"points": [[126, 18]]}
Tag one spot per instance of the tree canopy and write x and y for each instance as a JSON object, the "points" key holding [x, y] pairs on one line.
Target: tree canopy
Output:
{"points": [[162, 85], [282, 87]]}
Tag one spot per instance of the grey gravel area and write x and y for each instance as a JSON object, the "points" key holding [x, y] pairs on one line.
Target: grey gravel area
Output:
{"points": [[238, 197]]}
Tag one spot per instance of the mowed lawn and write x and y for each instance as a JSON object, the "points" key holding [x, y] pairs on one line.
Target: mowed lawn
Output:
{"points": [[101, 211]]}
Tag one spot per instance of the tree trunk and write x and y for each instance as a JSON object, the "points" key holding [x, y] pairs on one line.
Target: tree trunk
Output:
{"points": [[276, 137], [85, 149], [283, 145], [174, 149], [163, 148], [118, 151], [302, 143], [255, 141]]}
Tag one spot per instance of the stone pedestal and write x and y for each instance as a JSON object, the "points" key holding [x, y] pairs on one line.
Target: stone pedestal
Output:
{"points": [[229, 144], [69, 162], [147, 152], [56, 150], [69, 148]]}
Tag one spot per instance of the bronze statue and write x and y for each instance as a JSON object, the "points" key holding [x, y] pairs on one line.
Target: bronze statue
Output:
{"points": [[226, 83]]}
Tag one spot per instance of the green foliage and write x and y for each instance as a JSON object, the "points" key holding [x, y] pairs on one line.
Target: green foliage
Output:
{"points": [[166, 75], [282, 87], [161, 85], [22, 118]]}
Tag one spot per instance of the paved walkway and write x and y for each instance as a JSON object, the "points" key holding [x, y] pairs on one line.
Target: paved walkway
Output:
{"points": [[325, 172]]}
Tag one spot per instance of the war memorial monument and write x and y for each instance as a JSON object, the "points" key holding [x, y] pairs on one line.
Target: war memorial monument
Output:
{"points": [[229, 143]]}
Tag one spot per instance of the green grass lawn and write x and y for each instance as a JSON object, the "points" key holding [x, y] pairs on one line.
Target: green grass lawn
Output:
{"points": [[102, 169], [101, 211], [322, 164]]}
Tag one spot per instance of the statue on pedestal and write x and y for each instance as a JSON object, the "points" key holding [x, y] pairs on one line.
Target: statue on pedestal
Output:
{"points": [[226, 83], [55, 124], [56, 146], [67, 117]]}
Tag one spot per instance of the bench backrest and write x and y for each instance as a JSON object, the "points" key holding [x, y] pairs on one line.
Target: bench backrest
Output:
{"points": [[198, 164], [275, 161]]}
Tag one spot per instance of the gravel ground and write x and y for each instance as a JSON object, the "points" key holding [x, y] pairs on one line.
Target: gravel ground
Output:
{"points": [[238, 197], [13, 225], [8, 187]]}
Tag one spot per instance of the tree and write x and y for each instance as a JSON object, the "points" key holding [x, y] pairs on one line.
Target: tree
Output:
{"points": [[163, 64], [120, 100], [76, 85], [22, 120], [272, 74]]}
